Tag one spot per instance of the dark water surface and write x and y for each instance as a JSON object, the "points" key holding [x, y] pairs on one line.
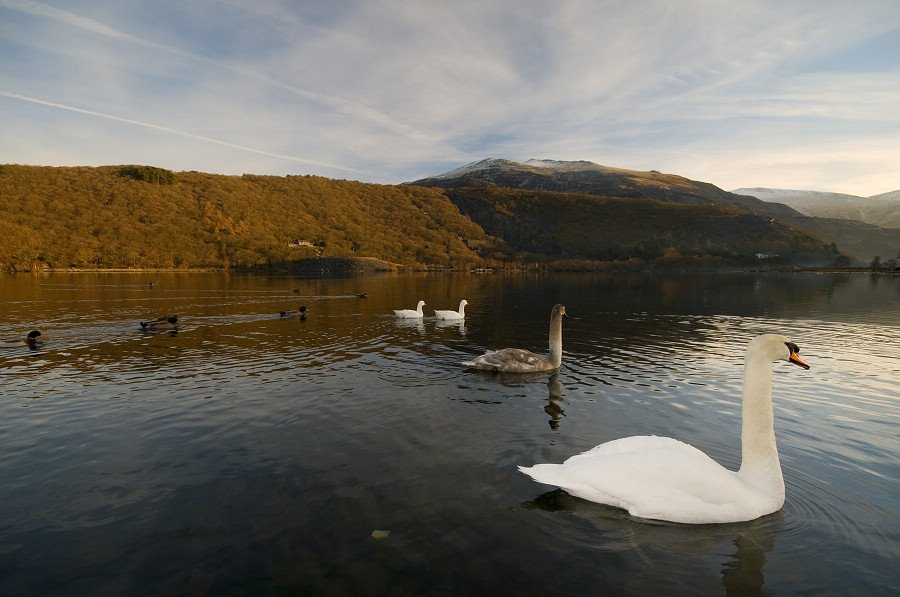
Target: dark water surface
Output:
{"points": [[248, 454]]}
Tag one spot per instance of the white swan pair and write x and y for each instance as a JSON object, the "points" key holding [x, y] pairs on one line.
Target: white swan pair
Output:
{"points": [[445, 315], [664, 479]]}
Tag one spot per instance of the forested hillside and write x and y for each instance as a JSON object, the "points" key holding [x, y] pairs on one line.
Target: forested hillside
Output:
{"points": [[572, 226], [143, 217], [857, 239]]}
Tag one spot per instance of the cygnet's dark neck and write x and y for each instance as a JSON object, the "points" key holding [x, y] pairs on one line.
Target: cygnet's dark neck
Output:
{"points": [[556, 339]]}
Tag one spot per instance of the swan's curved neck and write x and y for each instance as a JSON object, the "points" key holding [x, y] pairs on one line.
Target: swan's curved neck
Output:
{"points": [[462, 308], [759, 453], [556, 340]]}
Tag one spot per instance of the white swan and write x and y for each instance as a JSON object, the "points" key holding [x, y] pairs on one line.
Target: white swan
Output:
{"points": [[517, 360], [664, 479], [461, 314], [410, 313]]}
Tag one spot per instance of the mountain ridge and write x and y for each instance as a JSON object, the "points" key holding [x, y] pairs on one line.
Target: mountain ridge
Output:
{"points": [[861, 239]]}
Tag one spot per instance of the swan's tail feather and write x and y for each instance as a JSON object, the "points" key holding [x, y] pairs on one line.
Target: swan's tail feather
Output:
{"points": [[544, 473], [554, 474]]}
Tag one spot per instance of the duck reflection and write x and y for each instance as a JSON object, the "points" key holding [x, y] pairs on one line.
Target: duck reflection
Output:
{"points": [[554, 402], [742, 568]]}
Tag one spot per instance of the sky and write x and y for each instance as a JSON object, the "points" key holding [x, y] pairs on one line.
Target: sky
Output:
{"points": [[793, 94]]}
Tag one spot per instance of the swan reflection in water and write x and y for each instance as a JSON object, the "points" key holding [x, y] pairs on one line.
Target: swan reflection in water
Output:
{"points": [[459, 324], [554, 402], [740, 548], [413, 323]]}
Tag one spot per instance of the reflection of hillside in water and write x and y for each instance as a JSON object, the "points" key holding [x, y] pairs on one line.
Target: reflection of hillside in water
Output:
{"points": [[93, 318], [775, 295], [259, 344], [614, 312]]}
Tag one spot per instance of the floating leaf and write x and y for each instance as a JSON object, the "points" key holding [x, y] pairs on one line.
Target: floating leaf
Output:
{"points": [[380, 534]]}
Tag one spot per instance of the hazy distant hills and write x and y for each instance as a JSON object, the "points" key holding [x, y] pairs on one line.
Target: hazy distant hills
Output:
{"points": [[859, 238], [879, 210]]}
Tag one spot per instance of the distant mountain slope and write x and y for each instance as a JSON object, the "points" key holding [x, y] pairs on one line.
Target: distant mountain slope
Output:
{"points": [[890, 196], [879, 210], [572, 226], [860, 239], [594, 179]]}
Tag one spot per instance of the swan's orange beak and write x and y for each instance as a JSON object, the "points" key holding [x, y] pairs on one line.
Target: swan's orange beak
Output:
{"points": [[795, 359]]}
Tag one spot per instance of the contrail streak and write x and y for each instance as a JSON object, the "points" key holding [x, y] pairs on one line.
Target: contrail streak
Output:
{"points": [[166, 129], [336, 103]]}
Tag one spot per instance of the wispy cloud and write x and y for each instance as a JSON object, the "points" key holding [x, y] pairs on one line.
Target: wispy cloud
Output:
{"points": [[392, 90], [166, 129], [341, 105], [44, 10]]}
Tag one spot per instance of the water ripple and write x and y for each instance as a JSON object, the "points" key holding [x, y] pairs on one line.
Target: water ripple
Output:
{"points": [[245, 440]]}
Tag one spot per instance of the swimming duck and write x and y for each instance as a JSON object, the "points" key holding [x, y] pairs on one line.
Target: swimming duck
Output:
{"points": [[301, 313], [461, 314], [411, 313], [517, 360], [161, 323], [32, 340], [664, 479]]}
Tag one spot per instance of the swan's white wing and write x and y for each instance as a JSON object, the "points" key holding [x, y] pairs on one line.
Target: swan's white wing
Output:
{"points": [[448, 315], [654, 477]]}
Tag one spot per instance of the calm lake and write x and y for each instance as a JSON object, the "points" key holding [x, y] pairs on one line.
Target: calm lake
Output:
{"points": [[352, 454]]}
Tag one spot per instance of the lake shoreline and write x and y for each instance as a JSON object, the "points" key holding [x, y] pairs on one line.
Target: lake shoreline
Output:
{"points": [[344, 266]]}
